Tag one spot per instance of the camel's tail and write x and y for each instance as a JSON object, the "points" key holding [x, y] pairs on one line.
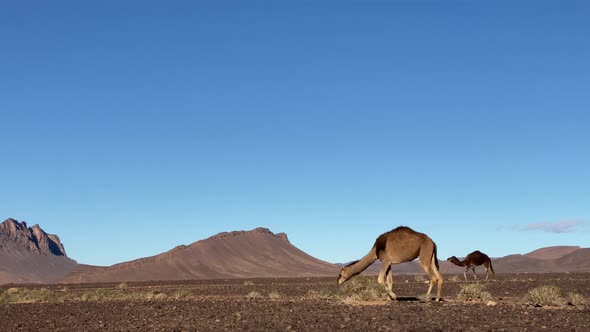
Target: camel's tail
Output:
{"points": [[435, 258]]}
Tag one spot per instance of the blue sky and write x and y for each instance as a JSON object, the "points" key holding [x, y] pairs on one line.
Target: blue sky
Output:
{"points": [[132, 127]]}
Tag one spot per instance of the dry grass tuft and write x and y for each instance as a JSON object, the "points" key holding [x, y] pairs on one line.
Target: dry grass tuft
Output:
{"points": [[419, 278], [253, 295], [24, 295], [361, 289], [12, 290], [322, 294], [101, 294], [123, 285], [182, 294], [575, 299], [455, 279], [544, 296], [473, 293], [274, 295], [60, 295], [248, 283]]}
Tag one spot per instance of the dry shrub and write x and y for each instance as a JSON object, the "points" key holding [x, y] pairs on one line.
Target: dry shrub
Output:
{"points": [[95, 295], [102, 294], [160, 296], [544, 296], [419, 278], [181, 294], [473, 292], [575, 299], [123, 285], [248, 283], [423, 297], [322, 294], [12, 290], [150, 295], [253, 295], [361, 289], [455, 279], [274, 295], [24, 295]]}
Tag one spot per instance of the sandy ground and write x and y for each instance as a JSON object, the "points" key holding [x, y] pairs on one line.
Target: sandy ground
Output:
{"points": [[286, 305]]}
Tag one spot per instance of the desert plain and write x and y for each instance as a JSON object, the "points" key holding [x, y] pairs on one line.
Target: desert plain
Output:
{"points": [[504, 303]]}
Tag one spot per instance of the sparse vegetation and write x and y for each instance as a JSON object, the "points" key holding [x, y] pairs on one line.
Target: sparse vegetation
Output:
{"points": [[361, 289], [419, 278], [24, 295], [253, 295], [575, 299], [544, 296], [322, 294], [454, 278], [181, 294], [123, 285], [248, 283], [423, 297], [473, 293], [274, 295]]}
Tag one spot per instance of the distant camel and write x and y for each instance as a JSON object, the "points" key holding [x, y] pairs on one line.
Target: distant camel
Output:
{"points": [[472, 260], [400, 245]]}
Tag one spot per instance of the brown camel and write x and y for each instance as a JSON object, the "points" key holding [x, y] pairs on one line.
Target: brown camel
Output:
{"points": [[472, 260], [400, 245]]}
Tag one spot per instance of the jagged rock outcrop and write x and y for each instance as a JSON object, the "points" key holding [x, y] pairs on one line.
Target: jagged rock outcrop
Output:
{"points": [[32, 238], [30, 255]]}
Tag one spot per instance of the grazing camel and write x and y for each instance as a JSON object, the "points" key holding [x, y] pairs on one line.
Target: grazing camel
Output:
{"points": [[400, 245], [472, 260]]}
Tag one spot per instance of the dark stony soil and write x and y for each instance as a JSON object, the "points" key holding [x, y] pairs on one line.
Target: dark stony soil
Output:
{"points": [[285, 305]]}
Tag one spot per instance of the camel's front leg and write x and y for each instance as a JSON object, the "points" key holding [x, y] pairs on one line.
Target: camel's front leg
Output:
{"points": [[465, 273], [385, 266], [389, 284], [474, 275]]}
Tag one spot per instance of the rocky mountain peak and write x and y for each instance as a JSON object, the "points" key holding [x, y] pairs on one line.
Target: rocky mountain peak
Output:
{"points": [[259, 230], [31, 238]]}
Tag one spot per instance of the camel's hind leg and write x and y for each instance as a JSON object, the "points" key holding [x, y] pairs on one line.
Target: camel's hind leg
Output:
{"points": [[428, 262], [487, 267]]}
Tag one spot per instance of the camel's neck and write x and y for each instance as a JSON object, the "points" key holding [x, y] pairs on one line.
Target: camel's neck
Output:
{"points": [[362, 264], [458, 262]]}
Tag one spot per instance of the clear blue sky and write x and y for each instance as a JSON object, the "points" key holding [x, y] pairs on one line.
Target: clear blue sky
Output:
{"points": [[130, 127]]}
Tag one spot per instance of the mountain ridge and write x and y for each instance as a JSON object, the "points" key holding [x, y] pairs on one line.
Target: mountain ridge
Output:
{"points": [[237, 254], [30, 255]]}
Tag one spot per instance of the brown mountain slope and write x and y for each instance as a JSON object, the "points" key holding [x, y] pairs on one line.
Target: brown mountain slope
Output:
{"points": [[242, 254], [549, 259], [552, 252], [29, 255]]}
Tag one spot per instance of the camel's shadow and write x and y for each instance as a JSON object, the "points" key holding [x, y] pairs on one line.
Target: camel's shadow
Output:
{"points": [[415, 299], [407, 299]]}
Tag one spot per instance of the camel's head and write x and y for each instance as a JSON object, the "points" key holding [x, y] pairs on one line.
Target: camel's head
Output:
{"points": [[346, 273], [342, 277], [452, 258]]}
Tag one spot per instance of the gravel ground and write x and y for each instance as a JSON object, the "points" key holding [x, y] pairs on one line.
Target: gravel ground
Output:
{"points": [[235, 305]]}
